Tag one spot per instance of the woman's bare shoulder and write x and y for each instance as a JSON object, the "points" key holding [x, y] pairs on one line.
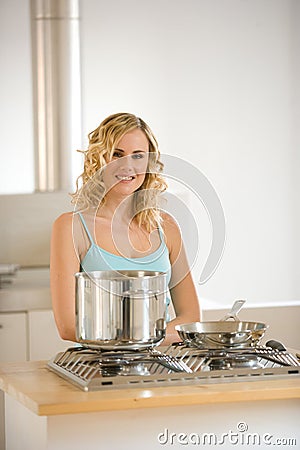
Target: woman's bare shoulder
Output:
{"points": [[169, 224], [172, 233], [65, 220]]}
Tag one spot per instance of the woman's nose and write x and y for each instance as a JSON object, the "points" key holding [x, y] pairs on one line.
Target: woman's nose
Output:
{"points": [[126, 163]]}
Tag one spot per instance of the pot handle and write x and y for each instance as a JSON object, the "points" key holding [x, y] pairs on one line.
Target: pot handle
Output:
{"points": [[232, 314]]}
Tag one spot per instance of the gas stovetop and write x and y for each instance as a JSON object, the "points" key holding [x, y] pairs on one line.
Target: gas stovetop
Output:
{"points": [[179, 364]]}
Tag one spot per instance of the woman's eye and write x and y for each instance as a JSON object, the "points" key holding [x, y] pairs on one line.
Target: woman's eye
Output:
{"points": [[117, 154]]}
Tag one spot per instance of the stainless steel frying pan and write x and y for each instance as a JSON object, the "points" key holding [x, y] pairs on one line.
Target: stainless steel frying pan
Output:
{"points": [[223, 333]]}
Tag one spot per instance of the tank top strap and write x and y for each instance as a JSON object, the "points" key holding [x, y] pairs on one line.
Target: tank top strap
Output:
{"points": [[161, 234], [86, 228]]}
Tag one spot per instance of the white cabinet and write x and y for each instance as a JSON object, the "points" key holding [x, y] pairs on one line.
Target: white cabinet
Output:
{"points": [[13, 337], [30, 335], [43, 338], [13, 347]]}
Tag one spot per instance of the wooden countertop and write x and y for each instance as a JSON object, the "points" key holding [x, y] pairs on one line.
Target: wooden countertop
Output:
{"points": [[45, 393]]}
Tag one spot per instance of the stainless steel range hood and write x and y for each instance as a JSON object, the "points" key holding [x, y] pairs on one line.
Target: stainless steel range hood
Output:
{"points": [[57, 91]]}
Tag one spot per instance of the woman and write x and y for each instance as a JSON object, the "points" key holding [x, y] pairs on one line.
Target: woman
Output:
{"points": [[118, 224]]}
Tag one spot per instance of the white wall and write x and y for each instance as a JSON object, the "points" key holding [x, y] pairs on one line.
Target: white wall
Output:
{"points": [[26, 225], [296, 142], [16, 106], [216, 82]]}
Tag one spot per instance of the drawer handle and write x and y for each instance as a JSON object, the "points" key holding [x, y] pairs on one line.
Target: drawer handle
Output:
{"points": [[1, 326]]}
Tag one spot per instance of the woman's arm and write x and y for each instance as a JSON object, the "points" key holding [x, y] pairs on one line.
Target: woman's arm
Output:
{"points": [[182, 288], [64, 264]]}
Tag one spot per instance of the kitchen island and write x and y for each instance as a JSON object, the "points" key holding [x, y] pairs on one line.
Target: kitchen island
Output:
{"points": [[45, 411]]}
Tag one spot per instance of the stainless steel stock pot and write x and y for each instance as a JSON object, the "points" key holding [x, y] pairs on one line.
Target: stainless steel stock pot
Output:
{"points": [[121, 309]]}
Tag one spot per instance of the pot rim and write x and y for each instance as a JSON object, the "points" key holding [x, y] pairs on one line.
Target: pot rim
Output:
{"points": [[120, 274]]}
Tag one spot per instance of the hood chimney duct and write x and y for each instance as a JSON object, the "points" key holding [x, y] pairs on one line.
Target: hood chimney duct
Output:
{"points": [[57, 91]]}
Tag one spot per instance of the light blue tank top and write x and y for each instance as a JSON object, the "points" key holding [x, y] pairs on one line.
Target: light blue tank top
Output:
{"points": [[97, 258]]}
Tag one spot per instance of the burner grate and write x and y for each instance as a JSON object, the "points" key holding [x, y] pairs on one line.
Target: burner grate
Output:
{"points": [[201, 359], [91, 369]]}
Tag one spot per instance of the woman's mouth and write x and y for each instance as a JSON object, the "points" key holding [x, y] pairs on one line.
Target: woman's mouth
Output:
{"points": [[125, 177]]}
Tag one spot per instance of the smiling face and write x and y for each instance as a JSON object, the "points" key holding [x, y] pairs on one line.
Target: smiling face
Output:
{"points": [[125, 173]]}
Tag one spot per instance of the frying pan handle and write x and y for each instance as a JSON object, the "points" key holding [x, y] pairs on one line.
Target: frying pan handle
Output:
{"points": [[276, 345], [236, 307]]}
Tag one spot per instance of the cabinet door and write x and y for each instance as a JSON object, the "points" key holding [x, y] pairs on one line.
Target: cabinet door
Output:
{"points": [[13, 337], [44, 340]]}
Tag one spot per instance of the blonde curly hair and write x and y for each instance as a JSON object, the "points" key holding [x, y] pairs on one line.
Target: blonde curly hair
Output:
{"points": [[102, 143]]}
